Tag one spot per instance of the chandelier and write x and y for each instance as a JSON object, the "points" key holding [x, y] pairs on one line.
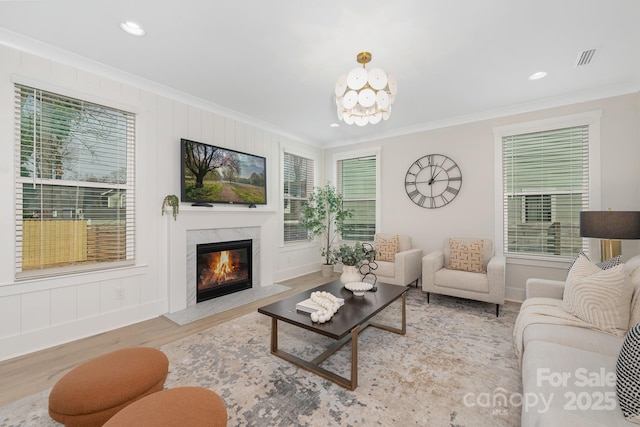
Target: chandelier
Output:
{"points": [[365, 97]]}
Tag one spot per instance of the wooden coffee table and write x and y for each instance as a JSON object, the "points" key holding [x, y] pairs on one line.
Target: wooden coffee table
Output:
{"points": [[350, 320]]}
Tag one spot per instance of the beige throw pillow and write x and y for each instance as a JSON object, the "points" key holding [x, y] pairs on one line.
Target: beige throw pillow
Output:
{"points": [[600, 297], [386, 248], [466, 257]]}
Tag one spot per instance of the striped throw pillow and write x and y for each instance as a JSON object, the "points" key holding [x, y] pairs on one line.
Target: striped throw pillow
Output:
{"points": [[599, 297]]}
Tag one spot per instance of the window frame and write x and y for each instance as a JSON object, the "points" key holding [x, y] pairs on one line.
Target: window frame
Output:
{"points": [[290, 152], [371, 152], [590, 119], [131, 208]]}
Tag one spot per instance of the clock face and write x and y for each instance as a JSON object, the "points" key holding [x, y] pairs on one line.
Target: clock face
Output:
{"points": [[433, 181]]}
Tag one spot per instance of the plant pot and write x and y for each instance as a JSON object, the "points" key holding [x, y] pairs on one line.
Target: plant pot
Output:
{"points": [[350, 274], [327, 270]]}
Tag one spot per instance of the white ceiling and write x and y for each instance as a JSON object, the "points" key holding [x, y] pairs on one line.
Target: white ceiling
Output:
{"points": [[275, 63]]}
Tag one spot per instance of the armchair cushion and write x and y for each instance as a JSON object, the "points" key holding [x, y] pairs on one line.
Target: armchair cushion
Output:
{"points": [[466, 257], [386, 268], [464, 280]]}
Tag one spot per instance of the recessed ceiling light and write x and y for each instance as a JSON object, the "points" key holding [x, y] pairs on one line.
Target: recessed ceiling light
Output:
{"points": [[538, 75], [334, 125], [132, 28]]}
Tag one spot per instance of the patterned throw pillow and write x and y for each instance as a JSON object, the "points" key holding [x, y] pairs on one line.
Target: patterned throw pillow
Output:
{"points": [[610, 263], [605, 265], [466, 257], [628, 376], [598, 296], [386, 248]]}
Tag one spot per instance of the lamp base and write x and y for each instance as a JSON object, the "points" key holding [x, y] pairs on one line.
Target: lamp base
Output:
{"points": [[609, 249]]}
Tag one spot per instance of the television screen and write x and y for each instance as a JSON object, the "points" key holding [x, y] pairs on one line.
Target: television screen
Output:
{"points": [[213, 174]]}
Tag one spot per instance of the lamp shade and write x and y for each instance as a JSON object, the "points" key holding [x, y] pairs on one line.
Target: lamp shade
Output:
{"points": [[610, 224]]}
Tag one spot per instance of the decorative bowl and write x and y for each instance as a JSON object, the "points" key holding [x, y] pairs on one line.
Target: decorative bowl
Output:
{"points": [[358, 288]]}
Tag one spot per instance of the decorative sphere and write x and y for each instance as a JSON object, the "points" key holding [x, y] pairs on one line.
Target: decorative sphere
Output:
{"points": [[314, 317]]}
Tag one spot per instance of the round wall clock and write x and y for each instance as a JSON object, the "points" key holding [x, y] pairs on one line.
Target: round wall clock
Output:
{"points": [[433, 181]]}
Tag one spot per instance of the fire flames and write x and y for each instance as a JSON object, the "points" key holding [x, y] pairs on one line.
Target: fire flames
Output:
{"points": [[219, 271], [224, 266]]}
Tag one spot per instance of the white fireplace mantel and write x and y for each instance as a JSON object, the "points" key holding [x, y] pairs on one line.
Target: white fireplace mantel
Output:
{"points": [[204, 218]]}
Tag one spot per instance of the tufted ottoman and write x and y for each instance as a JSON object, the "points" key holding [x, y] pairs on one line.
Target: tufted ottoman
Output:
{"points": [[94, 391], [181, 406]]}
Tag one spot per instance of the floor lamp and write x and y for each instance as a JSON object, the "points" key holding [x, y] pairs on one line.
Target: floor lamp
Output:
{"points": [[610, 227]]}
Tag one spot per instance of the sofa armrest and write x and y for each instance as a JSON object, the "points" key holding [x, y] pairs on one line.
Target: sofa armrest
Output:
{"points": [[431, 263], [408, 266], [544, 288]]}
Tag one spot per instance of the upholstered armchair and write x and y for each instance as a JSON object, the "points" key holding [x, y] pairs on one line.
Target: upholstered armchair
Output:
{"points": [[465, 268], [398, 262]]}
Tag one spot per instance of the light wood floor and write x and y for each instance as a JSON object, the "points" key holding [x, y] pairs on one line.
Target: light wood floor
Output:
{"points": [[34, 372]]}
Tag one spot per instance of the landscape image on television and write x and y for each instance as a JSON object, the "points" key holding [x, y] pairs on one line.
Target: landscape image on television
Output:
{"points": [[213, 174]]}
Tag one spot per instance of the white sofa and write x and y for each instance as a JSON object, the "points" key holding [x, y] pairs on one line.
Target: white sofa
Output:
{"points": [[568, 372], [406, 267]]}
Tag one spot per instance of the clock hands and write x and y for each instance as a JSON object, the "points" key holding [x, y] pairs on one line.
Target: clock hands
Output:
{"points": [[432, 179]]}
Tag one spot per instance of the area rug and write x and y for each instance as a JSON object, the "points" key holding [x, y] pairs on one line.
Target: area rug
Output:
{"points": [[454, 367]]}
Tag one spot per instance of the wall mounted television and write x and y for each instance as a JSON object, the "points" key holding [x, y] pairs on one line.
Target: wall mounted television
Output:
{"points": [[211, 174]]}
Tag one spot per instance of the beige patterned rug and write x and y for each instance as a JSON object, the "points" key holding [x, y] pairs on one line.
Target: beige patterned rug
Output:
{"points": [[450, 369]]}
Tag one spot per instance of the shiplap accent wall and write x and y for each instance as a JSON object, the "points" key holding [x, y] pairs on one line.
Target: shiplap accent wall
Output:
{"points": [[37, 314]]}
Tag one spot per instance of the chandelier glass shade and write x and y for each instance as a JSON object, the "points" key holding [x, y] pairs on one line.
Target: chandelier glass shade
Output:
{"points": [[364, 97]]}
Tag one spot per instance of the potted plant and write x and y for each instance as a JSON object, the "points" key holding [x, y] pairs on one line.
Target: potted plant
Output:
{"points": [[173, 202], [352, 257], [323, 215]]}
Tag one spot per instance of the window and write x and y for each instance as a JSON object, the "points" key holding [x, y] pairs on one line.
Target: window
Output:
{"points": [[545, 186], [74, 184], [357, 182], [298, 185]]}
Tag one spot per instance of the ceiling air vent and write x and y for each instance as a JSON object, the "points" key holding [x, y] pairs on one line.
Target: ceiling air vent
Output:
{"points": [[585, 57]]}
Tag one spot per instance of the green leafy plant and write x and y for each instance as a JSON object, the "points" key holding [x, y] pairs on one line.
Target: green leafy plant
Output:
{"points": [[172, 201], [323, 215], [354, 255]]}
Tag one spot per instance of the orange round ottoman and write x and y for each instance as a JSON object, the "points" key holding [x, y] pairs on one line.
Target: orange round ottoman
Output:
{"points": [[181, 406], [94, 391]]}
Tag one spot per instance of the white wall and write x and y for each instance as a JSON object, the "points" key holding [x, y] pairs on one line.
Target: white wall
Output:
{"points": [[472, 212], [36, 314], [41, 313]]}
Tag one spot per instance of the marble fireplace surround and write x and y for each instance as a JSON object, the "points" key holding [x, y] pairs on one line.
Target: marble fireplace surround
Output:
{"points": [[217, 224]]}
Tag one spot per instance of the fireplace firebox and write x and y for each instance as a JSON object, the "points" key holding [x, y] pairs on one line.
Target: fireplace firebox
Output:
{"points": [[223, 268]]}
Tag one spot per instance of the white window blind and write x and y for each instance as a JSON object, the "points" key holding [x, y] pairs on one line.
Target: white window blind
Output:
{"points": [[357, 183], [546, 185], [74, 184], [298, 186]]}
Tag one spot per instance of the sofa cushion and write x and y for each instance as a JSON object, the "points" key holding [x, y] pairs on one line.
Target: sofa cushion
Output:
{"points": [[386, 247], [572, 336], [628, 376], [466, 256], [599, 297], [557, 379]]}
